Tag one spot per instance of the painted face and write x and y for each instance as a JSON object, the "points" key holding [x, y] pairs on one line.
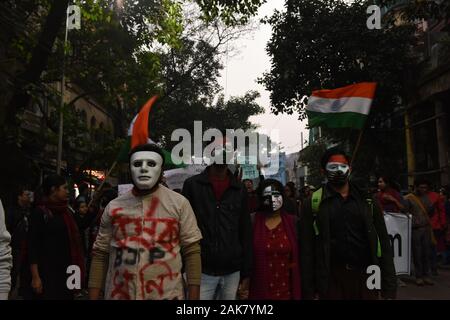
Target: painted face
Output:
{"points": [[145, 167], [272, 199], [337, 170]]}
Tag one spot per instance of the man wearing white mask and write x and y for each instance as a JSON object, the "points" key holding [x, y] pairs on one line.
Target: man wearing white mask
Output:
{"points": [[146, 236], [5, 257], [220, 204]]}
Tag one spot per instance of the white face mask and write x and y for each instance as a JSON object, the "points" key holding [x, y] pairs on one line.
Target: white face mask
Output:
{"points": [[145, 167], [272, 198]]}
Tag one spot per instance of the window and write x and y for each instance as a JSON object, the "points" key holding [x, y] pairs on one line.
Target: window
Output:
{"points": [[93, 123]]}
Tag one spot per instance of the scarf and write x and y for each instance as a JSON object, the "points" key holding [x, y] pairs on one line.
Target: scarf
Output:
{"points": [[76, 250], [389, 206], [259, 287]]}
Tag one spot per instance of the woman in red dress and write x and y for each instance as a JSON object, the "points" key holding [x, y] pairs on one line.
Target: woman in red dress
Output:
{"points": [[276, 268]]}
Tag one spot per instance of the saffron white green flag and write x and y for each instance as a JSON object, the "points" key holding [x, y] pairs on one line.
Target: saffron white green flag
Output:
{"points": [[346, 107]]}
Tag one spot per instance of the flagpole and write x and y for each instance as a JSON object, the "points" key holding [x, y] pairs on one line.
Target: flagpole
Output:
{"points": [[358, 143], [103, 182]]}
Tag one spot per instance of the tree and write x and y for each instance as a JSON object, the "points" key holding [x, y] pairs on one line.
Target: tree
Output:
{"points": [[419, 9], [145, 20], [326, 44], [38, 60], [120, 57]]}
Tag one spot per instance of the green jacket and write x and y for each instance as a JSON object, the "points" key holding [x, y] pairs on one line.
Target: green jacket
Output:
{"points": [[315, 249]]}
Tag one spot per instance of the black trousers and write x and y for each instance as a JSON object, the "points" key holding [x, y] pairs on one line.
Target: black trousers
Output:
{"points": [[421, 245], [349, 284]]}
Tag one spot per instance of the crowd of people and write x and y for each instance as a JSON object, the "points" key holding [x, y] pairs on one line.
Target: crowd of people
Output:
{"points": [[218, 237], [430, 218]]}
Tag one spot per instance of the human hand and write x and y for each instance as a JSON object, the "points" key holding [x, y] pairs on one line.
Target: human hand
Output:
{"points": [[243, 290], [36, 284]]}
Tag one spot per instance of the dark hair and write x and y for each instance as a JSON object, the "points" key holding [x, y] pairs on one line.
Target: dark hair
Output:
{"points": [[291, 187], [78, 204], [83, 186], [270, 182], [332, 152], [53, 180], [391, 183], [419, 181], [18, 191], [148, 147], [243, 181], [107, 196]]}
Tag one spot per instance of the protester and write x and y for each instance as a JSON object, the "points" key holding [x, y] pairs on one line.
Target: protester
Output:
{"points": [[6, 259], [290, 200], [17, 222], [341, 234], [304, 194], [252, 197], [84, 217], [81, 210], [54, 242], [276, 270], [389, 199], [418, 207], [107, 195], [219, 201], [144, 236], [434, 206], [84, 195]]}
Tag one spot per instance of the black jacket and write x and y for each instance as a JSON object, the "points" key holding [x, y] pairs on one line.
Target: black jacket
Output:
{"points": [[315, 250], [225, 225]]}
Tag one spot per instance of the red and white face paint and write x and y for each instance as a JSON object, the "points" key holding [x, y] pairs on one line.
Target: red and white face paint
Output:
{"points": [[337, 169]]}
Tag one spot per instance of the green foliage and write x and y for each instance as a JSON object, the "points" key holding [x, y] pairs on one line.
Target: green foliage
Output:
{"points": [[318, 44], [232, 12], [119, 58]]}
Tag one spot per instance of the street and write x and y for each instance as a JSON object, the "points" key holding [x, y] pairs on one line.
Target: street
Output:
{"points": [[440, 290]]}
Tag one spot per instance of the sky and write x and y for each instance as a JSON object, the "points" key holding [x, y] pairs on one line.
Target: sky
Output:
{"points": [[243, 68]]}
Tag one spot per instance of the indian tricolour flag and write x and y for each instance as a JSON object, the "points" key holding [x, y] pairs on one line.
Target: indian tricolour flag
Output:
{"points": [[138, 134], [346, 107]]}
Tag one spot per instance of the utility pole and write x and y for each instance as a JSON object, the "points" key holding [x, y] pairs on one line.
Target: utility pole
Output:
{"points": [[72, 13], [61, 111], [409, 150]]}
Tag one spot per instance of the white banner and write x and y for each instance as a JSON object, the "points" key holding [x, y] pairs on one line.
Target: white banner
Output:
{"points": [[176, 177], [399, 229]]}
